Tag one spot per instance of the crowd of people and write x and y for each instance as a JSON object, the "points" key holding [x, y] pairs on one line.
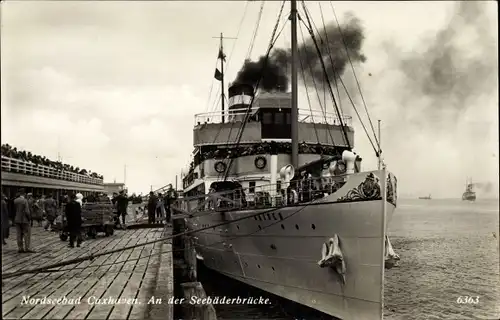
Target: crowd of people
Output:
{"points": [[13, 152], [159, 206], [22, 212]]}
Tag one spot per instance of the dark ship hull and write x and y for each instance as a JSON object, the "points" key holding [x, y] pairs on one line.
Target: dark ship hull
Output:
{"points": [[469, 196]]}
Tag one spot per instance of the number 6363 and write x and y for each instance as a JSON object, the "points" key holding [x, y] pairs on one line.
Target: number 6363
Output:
{"points": [[468, 300]]}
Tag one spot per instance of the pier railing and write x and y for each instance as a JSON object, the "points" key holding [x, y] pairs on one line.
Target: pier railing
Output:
{"points": [[269, 195], [305, 116], [26, 167]]}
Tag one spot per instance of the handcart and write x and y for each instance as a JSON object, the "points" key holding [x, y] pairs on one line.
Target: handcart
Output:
{"points": [[96, 217]]}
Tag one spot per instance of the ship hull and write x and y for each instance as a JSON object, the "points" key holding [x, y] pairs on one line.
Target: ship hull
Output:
{"points": [[469, 196], [279, 251]]}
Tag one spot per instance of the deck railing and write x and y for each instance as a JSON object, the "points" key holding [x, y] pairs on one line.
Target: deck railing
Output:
{"points": [[305, 116], [26, 167], [269, 195]]}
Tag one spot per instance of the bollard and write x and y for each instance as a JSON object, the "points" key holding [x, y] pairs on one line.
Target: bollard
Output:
{"points": [[194, 307]]}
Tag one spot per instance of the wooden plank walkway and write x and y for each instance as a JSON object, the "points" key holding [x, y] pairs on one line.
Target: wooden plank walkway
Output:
{"points": [[116, 286]]}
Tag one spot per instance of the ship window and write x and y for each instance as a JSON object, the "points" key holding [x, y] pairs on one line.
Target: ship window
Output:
{"points": [[282, 227], [251, 187], [238, 227], [267, 118], [278, 118], [313, 226], [272, 268], [297, 226], [258, 266]]}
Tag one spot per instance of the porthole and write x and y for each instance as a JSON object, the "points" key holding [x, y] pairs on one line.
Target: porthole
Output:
{"points": [[238, 227], [220, 167], [260, 162], [273, 247], [258, 266], [282, 227], [297, 226], [272, 268], [313, 226]]}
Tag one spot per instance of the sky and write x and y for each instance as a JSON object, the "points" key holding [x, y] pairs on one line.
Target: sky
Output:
{"points": [[109, 84]]}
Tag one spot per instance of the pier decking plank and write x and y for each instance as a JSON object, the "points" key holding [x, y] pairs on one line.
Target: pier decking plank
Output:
{"points": [[127, 274]]}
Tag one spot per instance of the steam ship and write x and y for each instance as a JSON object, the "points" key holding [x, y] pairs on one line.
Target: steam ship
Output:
{"points": [[469, 195], [304, 222], [425, 197]]}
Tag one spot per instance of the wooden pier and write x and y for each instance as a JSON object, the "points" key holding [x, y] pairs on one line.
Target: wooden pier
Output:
{"points": [[130, 284]]}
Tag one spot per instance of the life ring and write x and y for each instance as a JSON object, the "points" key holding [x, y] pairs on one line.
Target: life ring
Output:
{"points": [[220, 167], [260, 162], [294, 196]]}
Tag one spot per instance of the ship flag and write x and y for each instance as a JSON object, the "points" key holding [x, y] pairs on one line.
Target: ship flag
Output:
{"points": [[218, 75]]}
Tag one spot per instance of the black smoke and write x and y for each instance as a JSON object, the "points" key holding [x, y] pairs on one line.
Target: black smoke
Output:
{"points": [[332, 43], [457, 65]]}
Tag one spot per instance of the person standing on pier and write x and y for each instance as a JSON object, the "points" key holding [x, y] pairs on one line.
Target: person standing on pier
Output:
{"points": [[122, 204], [5, 220], [51, 211], [152, 203], [36, 211], [73, 213], [23, 223], [160, 208]]}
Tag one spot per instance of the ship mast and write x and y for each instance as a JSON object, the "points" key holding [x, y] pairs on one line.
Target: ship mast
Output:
{"points": [[294, 111], [221, 54]]}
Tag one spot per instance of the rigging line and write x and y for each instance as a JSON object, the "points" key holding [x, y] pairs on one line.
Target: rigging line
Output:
{"points": [[323, 108], [211, 88], [249, 108], [343, 127], [359, 117], [335, 74], [237, 35], [308, 99], [252, 42], [93, 256], [51, 270], [314, 83], [355, 77]]}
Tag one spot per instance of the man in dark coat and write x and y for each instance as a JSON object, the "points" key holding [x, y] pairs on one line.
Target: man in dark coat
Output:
{"points": [[5, 220], [121, 205], [23, 223], [73, 213], [152, 203], [50, 206]]}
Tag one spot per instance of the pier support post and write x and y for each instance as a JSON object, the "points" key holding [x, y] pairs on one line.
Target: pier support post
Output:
{"points": [[195, 306], [190, 258]]}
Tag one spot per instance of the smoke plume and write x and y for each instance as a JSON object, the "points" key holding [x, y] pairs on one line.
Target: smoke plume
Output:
{"points": [[332, 42], [451, 74]]}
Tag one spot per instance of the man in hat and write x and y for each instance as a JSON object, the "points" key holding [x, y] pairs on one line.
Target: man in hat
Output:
{"points": [[23, 222], [152, 203], [122, 204], [73, 213]]}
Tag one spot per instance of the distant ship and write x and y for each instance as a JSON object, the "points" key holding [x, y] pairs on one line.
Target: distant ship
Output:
{"points": [[469, 194], [426, 198]]}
